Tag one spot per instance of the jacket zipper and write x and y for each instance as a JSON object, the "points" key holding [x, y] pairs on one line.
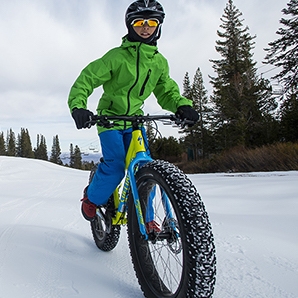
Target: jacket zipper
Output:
{"points": [[137, 78], [145, 82]]}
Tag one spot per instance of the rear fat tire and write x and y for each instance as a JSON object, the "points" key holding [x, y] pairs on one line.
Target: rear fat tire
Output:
{"points": [[197, 273], [105, 241]]}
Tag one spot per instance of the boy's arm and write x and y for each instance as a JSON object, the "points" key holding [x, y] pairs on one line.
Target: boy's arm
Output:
{"points": [[91, 77], [168, 94]]}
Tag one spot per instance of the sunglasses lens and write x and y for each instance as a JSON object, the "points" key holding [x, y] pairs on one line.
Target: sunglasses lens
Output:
{"points": [[152, 23], [141, 22], [138, 23]]}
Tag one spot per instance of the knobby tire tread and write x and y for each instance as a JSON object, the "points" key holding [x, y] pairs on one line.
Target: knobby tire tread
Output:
{"points": [[110, 240], [198, 276]]}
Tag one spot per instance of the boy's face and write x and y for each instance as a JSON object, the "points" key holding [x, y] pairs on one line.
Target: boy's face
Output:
{"points": [[144, 31]]}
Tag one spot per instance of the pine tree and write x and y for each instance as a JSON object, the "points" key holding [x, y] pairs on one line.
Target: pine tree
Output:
{"points": [[56, 151], [202, 105], [289, 118], [11, 143], [87, 166], [19, 146], [28, 145], [76, 158], [151, 135], [40, 151], [187, 87], [241, 99], [196, 137], [24, 147], [2, 144], [77, 162], [43, 148], [71, 156], [167, 149], [283, 53]]}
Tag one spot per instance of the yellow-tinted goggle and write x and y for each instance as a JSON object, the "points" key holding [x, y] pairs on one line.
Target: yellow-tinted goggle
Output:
{"points": [[141, 22]]}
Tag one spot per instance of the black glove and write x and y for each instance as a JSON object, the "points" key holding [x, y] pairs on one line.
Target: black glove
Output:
{"points": [[187, 113], [81, 116]]}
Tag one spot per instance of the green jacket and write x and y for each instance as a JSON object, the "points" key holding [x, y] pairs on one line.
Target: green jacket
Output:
{"points": [[128, 74]]}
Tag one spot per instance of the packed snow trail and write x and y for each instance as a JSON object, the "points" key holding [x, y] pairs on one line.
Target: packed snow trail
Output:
{"points": [[46, 247]]}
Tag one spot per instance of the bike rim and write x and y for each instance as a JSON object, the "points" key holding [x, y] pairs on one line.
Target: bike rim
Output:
{"points": [[99, 228], [166, 247]]}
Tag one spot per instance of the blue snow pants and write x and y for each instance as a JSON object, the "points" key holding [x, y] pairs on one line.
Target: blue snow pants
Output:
{"points": [[114, 145]]}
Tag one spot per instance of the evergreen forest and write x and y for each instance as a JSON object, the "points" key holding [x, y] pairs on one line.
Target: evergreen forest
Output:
{"points": [[245, 123]]}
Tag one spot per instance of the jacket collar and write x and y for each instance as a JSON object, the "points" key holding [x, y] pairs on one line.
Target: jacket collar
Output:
{"points": [[145, 48]]}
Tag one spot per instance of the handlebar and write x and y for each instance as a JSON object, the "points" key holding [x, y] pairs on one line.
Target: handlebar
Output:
{"points": [[108, 121]]}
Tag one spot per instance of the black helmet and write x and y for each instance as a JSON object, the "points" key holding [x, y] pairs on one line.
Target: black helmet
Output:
{"points": [[141, 9], [144, 8]]}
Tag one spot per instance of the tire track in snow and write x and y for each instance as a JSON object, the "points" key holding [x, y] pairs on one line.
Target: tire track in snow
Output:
{"points": [[8, 234], [122, 268], [234, 264], [282, 263], [5, 240], [49, 281]]}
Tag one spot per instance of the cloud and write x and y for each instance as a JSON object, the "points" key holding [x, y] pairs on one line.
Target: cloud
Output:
{"points": [[46, 43], [189, 38]]}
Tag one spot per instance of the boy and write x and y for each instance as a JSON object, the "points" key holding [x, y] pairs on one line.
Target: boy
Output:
{"points": [[128, 74]]}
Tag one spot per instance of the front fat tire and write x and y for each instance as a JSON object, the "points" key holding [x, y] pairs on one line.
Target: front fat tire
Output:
{"points": [[196, 274]]}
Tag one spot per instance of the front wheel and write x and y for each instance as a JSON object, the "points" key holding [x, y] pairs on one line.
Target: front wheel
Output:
{"points": [[178, 259]]}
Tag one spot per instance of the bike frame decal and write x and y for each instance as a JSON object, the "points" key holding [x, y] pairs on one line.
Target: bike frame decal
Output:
{"points": [[120, 204], [136, 145], [141, 158], [124, 195]]}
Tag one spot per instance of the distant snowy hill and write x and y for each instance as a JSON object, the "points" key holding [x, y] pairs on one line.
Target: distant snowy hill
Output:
{"points": [[46, 247], [85, 157]]}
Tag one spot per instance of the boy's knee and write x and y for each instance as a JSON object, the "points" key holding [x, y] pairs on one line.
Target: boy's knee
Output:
{"points": [[113, 167]]}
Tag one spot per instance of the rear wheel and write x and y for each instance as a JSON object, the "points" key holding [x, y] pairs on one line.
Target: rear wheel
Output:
{"points": [[178, 260], [105, 235]]}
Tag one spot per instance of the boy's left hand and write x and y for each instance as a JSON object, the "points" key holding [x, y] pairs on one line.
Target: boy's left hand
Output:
{"points": [[81, 116], [188, 113]]}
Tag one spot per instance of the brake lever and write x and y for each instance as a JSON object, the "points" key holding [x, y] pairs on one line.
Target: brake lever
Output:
{"points": [[90, 122], [106, 123], [183, 122]]}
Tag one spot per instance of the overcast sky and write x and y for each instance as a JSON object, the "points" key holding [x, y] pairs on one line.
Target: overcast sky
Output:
{"points": [[44, 44]]}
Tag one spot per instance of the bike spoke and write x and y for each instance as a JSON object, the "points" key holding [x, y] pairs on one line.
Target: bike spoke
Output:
{"points": [[167, 260]]}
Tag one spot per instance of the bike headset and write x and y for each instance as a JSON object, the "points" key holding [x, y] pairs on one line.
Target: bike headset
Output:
{"points": [[144, 9]]}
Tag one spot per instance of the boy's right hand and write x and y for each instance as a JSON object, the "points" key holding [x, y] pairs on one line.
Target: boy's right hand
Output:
{"points": [[81, 116], [187, 112]]}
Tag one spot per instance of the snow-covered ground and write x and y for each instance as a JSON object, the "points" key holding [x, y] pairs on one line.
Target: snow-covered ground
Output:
{"points": [[46, 248]]}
